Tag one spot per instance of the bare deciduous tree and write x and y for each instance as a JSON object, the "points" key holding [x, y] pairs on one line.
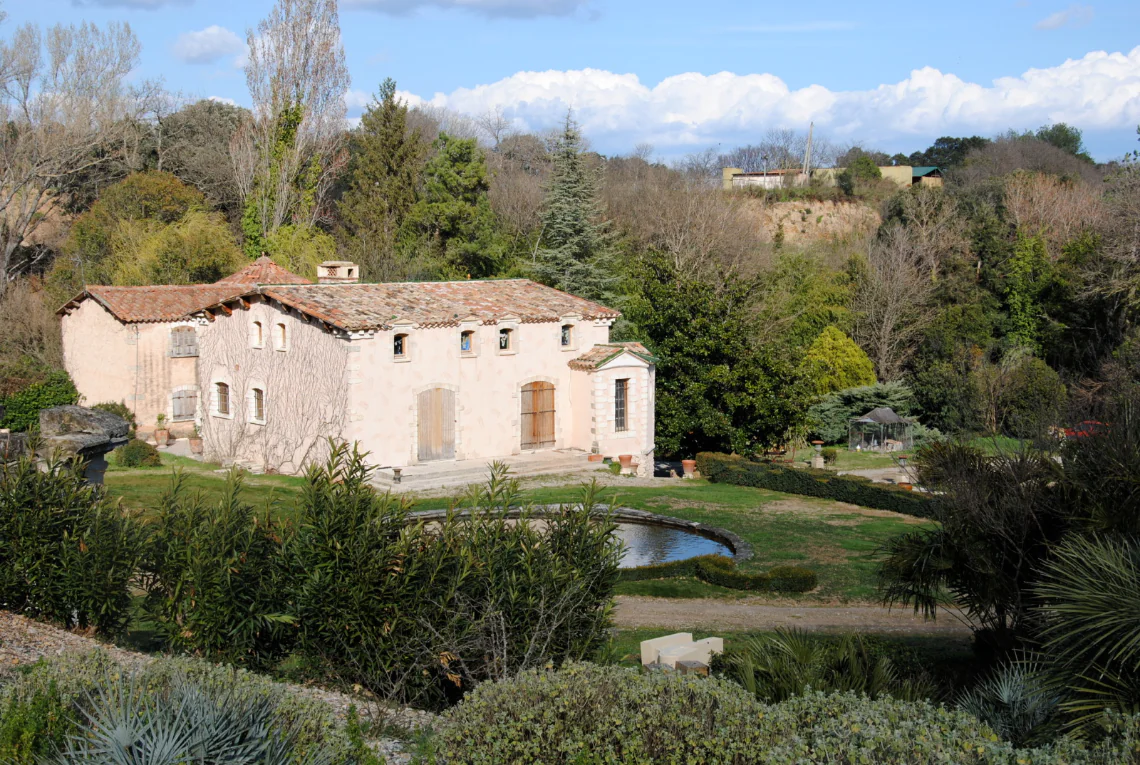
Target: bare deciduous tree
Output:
{"points": [[67, 111], [1051, 207], [288, 153], [937, 230], [893, 301]]}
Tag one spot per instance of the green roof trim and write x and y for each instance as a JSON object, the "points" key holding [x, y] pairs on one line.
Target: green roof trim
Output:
{"points": [[918, 172]]}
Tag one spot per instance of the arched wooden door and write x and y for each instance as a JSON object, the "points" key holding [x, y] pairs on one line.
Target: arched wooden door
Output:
{"points": [[537, 415], [436, 424]]}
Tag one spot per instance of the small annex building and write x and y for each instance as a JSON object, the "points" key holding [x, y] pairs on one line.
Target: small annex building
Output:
{"points": [[268, 366]]}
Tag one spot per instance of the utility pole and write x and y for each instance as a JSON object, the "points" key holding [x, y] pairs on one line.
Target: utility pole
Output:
{"points": [[807, 154]]}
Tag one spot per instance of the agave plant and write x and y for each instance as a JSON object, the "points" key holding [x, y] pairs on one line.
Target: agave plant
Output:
{"points": [[127, 724], [1018, 701]]}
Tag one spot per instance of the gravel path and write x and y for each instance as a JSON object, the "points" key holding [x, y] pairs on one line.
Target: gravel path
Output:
{"points": [[23, 641], [757, 614]]}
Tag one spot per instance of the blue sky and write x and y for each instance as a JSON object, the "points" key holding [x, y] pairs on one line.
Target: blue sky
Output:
{"points": [[687, 75]]}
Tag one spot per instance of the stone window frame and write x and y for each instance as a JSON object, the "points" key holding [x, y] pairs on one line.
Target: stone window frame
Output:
{"points": [[572, 321], [251, 403], [469, 326], [180, 328], [509, 324], [257, 334], [282, 335], [407, 331], [622, 422], [215, 398]]}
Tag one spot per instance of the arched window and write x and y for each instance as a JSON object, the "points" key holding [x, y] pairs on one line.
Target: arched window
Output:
{"points": [[258, 335], [467, 341], [567, 335], [183, 341], [282, 338], [506, 339], [400, 346], [222, 398]]}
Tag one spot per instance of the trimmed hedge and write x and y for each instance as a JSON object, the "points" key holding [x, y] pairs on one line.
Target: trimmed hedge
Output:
{"points": [[721, 571], [856, 490]]}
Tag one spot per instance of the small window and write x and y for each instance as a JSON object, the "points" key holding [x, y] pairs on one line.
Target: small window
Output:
{"points": [[222, 391], [506, 339], [621, 392], [183, 342], [467, 341], [282, 337], [185, 405], [567, 335], [257, 408], [258, 335], [400, 346]]}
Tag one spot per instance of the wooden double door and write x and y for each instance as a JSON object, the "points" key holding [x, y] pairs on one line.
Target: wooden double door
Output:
{"points": [[537, 415], [436, 413]]}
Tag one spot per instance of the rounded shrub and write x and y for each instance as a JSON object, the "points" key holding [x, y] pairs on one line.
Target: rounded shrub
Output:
{"points": [[830, 455], [136, 453], [22, 409]]}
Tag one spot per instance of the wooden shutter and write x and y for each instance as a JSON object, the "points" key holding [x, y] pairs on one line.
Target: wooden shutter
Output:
{"points": [[185, 404], [183, 341], [436, 425], [537, 415]]}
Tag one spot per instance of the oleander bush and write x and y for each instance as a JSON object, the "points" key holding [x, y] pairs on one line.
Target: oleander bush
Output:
{"points": [[724, 468], [88, 708], [137, 453], [591, 715], [66, 553]]}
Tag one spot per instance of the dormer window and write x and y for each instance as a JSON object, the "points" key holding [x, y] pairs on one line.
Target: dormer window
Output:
{"points": [[506, 340], [567, 335], [467, 341], [400, 346]]}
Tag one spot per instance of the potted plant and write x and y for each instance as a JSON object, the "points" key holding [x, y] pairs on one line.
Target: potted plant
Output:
{"points": [[195, 441], [690, 468], [161, 434], [626, 461]]}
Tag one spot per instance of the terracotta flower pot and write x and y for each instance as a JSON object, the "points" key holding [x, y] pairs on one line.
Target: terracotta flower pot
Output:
{"points": [[690, 467], [907, 486], [162, 437], [195, 445], [595, 457], [626, 461]]}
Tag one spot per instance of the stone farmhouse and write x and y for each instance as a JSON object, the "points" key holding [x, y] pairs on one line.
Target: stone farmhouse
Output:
{"points": [[268, 366]]}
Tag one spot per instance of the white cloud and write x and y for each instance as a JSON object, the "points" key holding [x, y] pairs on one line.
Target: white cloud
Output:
{"points": [[1074, 16], [1099, 91], [145, 5], [208, 45], [222, 100], [491, 8]]}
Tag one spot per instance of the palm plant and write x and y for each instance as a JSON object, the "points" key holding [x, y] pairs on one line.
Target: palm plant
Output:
{"points": [[1018, 701]]}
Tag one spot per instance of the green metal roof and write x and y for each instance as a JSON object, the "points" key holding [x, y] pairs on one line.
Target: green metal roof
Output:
{"points": [[918, 172]]}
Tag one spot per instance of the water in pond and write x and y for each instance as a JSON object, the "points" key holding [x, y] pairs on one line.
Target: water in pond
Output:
{"points": [[646, 544]]}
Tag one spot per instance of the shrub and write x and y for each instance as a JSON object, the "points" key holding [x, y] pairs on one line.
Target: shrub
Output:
{"points": [[722, 468], [217, 577], [122, 410], [720, 570], [426, 613], [65, 553], [830, 455], [687, 567], [136, 453], [61, 696], [22, 409], [611, 715], [33, 726]]}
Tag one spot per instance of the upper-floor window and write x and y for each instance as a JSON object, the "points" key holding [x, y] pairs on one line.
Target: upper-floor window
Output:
{"points": [[400, 346], [282, 337], [257, 334], [184, 341], [257, 405], [506, 339], [567, 335], [222, 398], [467, 341], [621, 394]]}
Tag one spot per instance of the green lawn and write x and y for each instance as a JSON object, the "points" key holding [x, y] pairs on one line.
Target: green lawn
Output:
{"points": [[837, 541], [849, 460]]}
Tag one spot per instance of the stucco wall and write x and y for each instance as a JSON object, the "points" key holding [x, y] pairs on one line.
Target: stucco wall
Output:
{"points": [[487, 384], [638, 437], [126, 363], [305, 385]]}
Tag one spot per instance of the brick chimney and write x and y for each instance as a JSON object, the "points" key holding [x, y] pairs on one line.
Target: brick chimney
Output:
{"points": [[338, 272]]}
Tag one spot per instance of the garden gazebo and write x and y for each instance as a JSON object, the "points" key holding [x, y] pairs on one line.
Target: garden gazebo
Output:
{"points": [[880, 430]]}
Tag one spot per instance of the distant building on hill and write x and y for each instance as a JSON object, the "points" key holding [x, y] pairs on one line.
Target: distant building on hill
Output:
{"points": [[903, 176]]}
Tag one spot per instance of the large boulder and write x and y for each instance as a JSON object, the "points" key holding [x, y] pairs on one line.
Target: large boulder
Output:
{"points": [[76, 432]]}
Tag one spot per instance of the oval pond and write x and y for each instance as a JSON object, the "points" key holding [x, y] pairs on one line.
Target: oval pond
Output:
{"points": [[647, 544]]}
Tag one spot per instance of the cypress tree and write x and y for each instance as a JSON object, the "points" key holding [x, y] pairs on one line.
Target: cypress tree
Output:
{"points": [[576, 247], [382, 187]]}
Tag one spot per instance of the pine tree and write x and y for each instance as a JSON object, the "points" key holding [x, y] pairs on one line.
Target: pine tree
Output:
{"points": [[576, 246], [453, 216], [382, 187]]}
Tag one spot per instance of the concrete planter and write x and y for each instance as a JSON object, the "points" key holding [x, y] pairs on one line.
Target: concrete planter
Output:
{"points": [[626, 462], [162, 437], [195, 445], [595, 458]]}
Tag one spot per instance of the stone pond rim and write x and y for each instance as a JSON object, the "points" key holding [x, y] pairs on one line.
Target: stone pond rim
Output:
{"points": [[741, 550]]}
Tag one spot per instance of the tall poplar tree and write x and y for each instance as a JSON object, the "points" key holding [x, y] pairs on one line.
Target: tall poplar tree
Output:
{"points": [[576, 249], [387, 159]]}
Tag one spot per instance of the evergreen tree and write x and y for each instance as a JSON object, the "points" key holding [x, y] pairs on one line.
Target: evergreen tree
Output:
{"points": [[453, 215], [387, 159], [834, 362], [576, 247]]}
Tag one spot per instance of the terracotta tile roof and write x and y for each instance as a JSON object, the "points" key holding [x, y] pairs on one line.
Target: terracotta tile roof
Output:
{"points": [[158, 303], [263, 271], [596, 357], [354, 307]]}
